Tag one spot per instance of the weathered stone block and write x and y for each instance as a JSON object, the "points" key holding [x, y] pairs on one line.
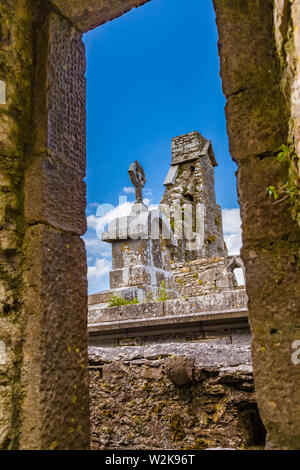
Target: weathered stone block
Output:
{"points": [[126, 312], [6, 415], [264, 220], [256, 111], [180, 370], [273, 287], [55, 346], [10, 392], [265, 110], [246, 63], [56, 195], [88, 15], [140, 275], [129, 252], [233, 299], [8, 240], [16, 71], [54, 186], [8, 132]]}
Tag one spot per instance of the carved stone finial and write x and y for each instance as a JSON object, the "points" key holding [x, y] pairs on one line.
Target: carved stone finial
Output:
{"points": [[138, 179]]}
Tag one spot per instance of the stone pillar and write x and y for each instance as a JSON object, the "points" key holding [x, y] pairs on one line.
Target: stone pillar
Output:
{"points": [[55, 348], [44, 390], [258, 120]]}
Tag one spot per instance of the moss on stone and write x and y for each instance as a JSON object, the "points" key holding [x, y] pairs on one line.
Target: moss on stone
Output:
{"points": [[211, 239], [176, 427], [218, 220], [201, 444]]}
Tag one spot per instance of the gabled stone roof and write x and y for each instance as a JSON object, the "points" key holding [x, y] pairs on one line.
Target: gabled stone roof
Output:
{"points": [[191, 146]]}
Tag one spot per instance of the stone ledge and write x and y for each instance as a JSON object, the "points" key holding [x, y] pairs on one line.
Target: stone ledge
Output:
{"points": [[228, 358], [127, 312], [212, 321], [225, 302], [103, 297]]}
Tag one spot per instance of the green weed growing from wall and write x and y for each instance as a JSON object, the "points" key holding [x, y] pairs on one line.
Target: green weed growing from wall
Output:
{"points": [[291, 187], [116, 301]]}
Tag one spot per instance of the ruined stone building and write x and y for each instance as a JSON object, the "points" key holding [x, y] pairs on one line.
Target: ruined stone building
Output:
{"points": [[200, 313], [156, 248], [208, 395], [191, 180]]}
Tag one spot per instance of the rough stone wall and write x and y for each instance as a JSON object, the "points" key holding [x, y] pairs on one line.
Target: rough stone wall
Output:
{"points": [[202, 276], [42, 201], [44, 394], [16, 57], [258, 121], [286, 25], [186, 396]]}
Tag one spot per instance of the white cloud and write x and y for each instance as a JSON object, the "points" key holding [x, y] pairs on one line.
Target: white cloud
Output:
{"points": [[101, 267], [91, 221], [128, 190], [91, 243], [99, 252], [120, 211], [148, 192], [232, 230], [99, 223], [231, 220], [96, 247], [239, 276], [233, 237], [234, 243]]}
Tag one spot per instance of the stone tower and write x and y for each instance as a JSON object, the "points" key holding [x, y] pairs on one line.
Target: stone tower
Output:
{"points": [[200, 263], [191, 181]]}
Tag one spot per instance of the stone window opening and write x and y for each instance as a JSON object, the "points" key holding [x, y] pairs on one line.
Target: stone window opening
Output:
{"points": [[189, 197], [236, 266], [239, 276]]}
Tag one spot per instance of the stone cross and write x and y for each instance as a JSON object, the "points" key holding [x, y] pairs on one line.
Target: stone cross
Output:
{"points": [[138, 179]]}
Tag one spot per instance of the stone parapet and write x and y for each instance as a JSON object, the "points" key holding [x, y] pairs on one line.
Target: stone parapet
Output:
{"points": [[217, 312], [224, 302]]}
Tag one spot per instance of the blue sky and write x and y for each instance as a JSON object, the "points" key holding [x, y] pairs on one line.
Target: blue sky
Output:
{"points": [[152, 74]]}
